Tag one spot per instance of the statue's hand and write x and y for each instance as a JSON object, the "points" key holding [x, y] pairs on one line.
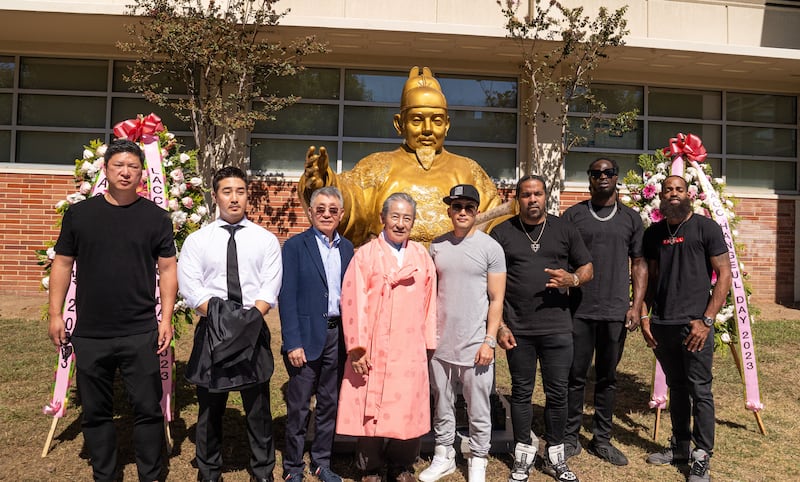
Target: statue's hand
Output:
{"points": [[316, 168]]}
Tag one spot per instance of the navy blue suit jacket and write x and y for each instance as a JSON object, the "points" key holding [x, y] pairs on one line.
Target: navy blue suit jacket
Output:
{"points": [[303, 302]]}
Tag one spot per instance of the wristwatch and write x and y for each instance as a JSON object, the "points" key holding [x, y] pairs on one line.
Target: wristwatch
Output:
{"points": [[490, 341], [709, 322]]}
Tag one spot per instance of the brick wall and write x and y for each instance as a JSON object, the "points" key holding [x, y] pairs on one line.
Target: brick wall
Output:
{"points": [[26, 210]]}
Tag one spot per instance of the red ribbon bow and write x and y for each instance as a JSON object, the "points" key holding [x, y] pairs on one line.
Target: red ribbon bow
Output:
{"points": [[134, 129], [689, 146]]}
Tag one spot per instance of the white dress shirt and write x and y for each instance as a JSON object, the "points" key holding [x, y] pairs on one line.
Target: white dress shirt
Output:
{"points": [[202, 264]]}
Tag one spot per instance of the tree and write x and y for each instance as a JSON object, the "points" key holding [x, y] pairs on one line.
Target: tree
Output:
{"points": [[561, 48], [220, 54]]}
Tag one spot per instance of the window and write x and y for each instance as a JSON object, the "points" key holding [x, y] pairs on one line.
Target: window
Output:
{"points": [[751, 139], [51, 107], [351, 112]]}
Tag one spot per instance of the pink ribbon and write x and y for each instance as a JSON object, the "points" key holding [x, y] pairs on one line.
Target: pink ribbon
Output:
{"points": [[658, 398], [134, 129]]}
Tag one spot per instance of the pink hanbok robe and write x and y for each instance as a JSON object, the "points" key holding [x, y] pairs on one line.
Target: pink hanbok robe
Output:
{"points": [[390, 311]]}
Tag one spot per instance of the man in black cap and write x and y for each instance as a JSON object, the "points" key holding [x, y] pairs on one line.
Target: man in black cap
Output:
{"points": [[471, 270]]}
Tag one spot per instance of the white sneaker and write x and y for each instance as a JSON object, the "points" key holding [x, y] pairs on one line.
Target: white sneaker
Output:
{"points": [[443, 463], [555, 464], [524, 456], [477, 469]]}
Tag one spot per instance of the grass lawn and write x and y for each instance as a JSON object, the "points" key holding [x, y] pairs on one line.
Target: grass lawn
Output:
{"points": [[741, 454]]}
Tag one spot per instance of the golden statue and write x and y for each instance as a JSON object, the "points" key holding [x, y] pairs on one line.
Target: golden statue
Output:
{"points": [[420, 167]]}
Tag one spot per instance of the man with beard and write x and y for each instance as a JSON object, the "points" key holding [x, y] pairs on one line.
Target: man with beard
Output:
{"points": [[602, 307], [682, 252], [539, 250], [420, 166]]}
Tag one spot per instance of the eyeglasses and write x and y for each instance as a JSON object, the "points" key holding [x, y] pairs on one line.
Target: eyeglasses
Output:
{"points": [[597, 173], [320, 210], [469, 208]]}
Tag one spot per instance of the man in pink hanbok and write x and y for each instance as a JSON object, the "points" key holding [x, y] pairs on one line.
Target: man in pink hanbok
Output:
{"points": [[389, 324]]}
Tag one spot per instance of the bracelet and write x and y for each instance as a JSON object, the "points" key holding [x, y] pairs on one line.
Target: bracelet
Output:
{"points": [[644, 317], [490, 337]]}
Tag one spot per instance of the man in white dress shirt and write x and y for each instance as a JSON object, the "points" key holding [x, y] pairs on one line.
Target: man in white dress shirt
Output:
{"points": [[209, 262]]}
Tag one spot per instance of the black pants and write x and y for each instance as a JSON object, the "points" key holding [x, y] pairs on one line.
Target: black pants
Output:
{"points": [[554, 352], [398, 456], [259, 431], [97, 360], [689, 380], [318, 377], [605, 340]]}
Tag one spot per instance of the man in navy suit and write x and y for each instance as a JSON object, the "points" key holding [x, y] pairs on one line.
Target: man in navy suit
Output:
{"points": [[314, 264]]}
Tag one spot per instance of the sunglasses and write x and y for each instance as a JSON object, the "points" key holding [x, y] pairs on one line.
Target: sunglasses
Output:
{"points": [[320, 210], [597, 173], [469, 208]]}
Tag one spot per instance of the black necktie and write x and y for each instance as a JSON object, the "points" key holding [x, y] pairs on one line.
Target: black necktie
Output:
{"points": [[234, 287]]}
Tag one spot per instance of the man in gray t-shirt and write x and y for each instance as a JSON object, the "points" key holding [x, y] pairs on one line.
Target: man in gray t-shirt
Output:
{"points": [[471, 270]]}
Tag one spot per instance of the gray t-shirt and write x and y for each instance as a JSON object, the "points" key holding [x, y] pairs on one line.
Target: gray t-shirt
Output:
{"points": [[462, 267]]}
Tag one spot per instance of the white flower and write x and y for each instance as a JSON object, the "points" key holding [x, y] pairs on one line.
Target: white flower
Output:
{"points": [[174, 205], [85, 188], [184, 157], [656, 203], [101, 151], [725, 337], [60, 204], [51, 253], [175, 191], [196, 182], [178, 218], [625, 199], [729, 204], [182, 188], [187, 202], [167, 163], [87, 154], [176, 175], [164, 153], [98, 164], [86, 167], [202, 210], [735, 232], [46, 282], [170, 135], [75, 198], [657, 179], [718, 180], [195, 218], [661, 166]]}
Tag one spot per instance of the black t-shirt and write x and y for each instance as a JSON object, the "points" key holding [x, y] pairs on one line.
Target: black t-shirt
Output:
{"points": [[116, 249], [612, 243], [684, 267], [530, 308]]}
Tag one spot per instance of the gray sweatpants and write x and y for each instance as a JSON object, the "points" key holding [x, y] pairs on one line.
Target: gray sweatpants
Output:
{"points": [[477, 383]]}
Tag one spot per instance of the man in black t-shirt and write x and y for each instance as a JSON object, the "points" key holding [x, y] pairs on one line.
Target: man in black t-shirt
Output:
{"points": [[682, 251], [602, 308], [539, 250], [117, 240]]}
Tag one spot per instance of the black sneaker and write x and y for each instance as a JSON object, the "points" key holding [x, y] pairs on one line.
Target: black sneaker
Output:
{"points": [[699, 468], [571, 450], [607, 452]]}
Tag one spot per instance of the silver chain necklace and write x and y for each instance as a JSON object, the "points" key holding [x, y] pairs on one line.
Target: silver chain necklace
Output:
{"points": [[534, 244], [594, 214], [673, 237]]}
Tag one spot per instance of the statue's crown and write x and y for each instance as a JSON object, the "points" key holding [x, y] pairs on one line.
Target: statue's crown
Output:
{"points": [[419, 83]]}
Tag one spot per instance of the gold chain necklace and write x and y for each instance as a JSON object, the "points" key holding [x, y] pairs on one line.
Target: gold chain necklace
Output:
{"points": [[534, 244]]}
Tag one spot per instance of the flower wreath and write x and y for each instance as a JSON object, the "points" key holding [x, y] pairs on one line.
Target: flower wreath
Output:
{"points": [[644, 198], [184, 187]]}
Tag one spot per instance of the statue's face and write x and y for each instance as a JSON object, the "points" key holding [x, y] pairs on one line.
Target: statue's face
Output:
{"points": [[425, 125]]}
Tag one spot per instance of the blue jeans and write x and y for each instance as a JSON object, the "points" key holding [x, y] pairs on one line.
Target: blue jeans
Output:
{"points": [[689, 379], [554, 352]]}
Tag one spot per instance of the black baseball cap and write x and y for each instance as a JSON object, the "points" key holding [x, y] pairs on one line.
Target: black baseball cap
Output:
{"points": [[463, 191]]}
